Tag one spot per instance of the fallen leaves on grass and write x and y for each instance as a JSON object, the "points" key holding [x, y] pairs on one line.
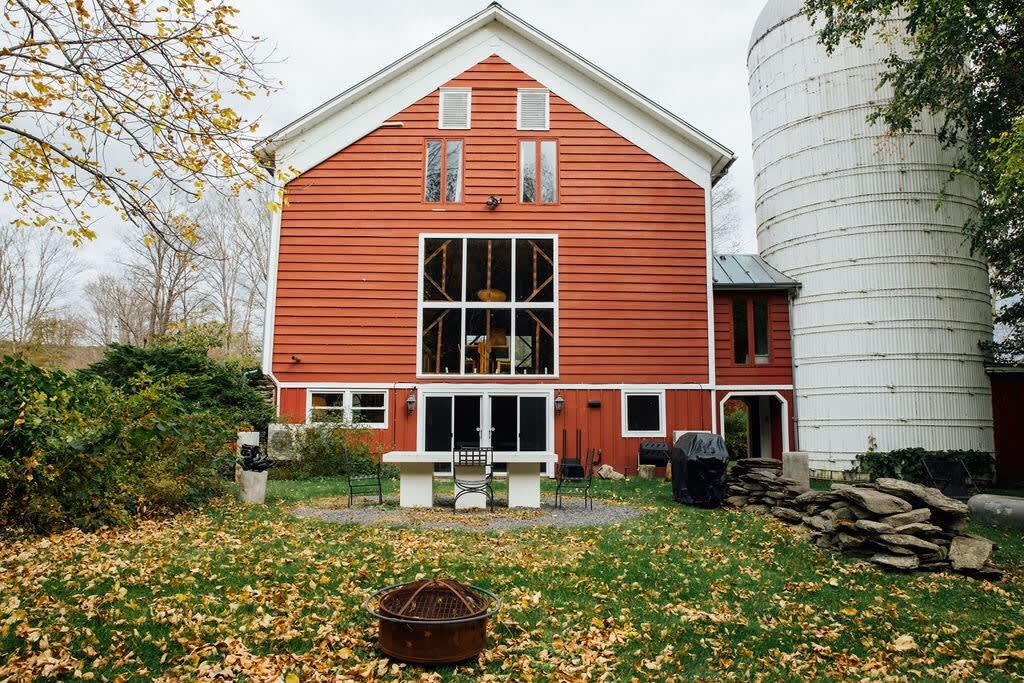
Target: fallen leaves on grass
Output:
{"points": [[681, 594]]}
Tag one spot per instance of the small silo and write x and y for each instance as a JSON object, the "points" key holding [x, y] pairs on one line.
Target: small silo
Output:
{"points": [[893, 305]]}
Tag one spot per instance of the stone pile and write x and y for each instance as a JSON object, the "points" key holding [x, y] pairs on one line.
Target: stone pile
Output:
{"points": [[892, 523]]}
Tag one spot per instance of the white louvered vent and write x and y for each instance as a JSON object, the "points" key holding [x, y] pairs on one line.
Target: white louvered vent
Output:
{"points": [[455, 108], [532, 110]]}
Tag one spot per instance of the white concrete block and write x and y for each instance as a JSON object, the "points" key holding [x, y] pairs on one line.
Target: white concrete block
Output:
{"points": [[524, 485], [416, 484]]}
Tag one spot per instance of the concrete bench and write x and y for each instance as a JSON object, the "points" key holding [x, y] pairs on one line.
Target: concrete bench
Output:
{"points": [[416, 484]]}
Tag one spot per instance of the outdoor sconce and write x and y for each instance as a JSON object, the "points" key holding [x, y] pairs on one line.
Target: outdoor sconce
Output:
{"points": [[493, 201], [559, 403], [296, 359], [410, 403]]}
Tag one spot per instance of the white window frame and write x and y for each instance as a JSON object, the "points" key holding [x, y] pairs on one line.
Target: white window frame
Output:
{"points": [[464, 305], [660, 393], [485, 392], [346, 409], [519, 108], [469, 109]]}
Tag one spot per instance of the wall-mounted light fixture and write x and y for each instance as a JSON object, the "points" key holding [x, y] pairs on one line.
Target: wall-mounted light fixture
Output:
{"points": [[559, 403], [493, 201], [296, 359], [410, 402]]}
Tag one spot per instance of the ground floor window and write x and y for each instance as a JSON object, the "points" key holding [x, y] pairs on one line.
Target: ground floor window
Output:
{"points": [[358, 407], [502, 421], [643, 413]]}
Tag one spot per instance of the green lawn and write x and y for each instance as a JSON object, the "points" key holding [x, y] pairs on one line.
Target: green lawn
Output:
{"points": [[678, 593]]}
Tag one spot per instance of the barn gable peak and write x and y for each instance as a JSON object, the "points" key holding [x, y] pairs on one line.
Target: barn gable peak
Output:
{"points": [[349, 116]]}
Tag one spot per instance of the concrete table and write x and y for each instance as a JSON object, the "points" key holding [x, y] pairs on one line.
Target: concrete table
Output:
{"points": [[416, 484]]}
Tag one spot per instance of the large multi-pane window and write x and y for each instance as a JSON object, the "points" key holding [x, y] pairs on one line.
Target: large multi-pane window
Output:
{"points": [[488, 305], [538, 171], [443, 171]]}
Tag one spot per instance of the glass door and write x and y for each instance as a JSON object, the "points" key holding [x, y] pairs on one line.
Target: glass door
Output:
{"points": [[452, 422]]}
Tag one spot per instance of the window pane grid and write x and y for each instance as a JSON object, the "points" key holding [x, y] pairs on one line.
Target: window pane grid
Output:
{"points": [[489, 339], [360, 408]]}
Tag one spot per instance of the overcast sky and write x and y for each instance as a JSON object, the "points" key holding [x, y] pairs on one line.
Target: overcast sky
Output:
{"points": [[689, 57]]}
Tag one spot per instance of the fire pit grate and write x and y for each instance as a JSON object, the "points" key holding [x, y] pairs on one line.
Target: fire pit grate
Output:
{"points": [[432, 621], [433, 600]]}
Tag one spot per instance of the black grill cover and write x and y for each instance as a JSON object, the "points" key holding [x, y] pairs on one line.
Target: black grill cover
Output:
{"points": [[699, 462]]}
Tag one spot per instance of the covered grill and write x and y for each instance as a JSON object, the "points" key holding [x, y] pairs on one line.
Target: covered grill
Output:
{"points": [[699, 462], [433, 621]]}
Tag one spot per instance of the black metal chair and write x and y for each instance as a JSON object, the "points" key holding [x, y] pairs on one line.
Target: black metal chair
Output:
{"points": [[363, 483], [948, 475], [573, 474], [474, 483]]}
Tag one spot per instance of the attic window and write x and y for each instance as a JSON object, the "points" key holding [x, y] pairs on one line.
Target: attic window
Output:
{"points": [[454, 111], [532, 110]]}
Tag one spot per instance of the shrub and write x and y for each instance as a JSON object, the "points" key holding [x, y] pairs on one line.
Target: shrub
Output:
{"points": [[736, 424], [906, 464], [203, 383], [322, 450], [76, 451]]}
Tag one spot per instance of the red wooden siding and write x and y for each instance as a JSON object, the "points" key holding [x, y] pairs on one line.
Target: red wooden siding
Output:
{"points": [[1007, 409], [292, 405], [601, 427], [779, 369], [631, 251]]}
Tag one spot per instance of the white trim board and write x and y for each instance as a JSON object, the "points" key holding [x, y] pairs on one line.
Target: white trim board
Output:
{"points": [[494, 31], [624, 395], [761, 392]]}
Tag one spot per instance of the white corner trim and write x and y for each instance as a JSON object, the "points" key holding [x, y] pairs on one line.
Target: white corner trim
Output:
{"points": [[660, 393], [761, 392], [271, 297]]}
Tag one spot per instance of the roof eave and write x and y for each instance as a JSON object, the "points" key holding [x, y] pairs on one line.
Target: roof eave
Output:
{"points": [[723, 157], [780, 286]]}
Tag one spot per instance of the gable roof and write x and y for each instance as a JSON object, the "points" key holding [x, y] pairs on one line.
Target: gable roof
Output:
{"points": [[345, 118], [748, 271]]}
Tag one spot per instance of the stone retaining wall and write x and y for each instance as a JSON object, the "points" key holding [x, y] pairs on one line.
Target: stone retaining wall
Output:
{"points": [[892, 523]]}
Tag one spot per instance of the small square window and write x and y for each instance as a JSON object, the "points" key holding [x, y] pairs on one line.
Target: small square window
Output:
{"points": [[643, 413]]}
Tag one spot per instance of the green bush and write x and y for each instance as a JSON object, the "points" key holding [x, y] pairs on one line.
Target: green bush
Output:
{"points": [[203, 383], [324, 449], [76, 451], [736, 425], [906, 464]]}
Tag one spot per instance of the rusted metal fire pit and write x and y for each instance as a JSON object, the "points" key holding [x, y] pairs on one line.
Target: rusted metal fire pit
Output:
{"points": [[433, 621]]}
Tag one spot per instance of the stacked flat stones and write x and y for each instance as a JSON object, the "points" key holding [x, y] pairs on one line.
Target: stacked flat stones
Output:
{"points": [[892, 523]]}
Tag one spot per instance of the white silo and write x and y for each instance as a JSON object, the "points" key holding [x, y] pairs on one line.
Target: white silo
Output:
{"points": [[892, 306]]}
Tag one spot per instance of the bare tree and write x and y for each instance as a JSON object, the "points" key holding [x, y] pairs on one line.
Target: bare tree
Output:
{"points": [[726, 216], [36, 271], [235, 244], [165, 282], [118, 310]]}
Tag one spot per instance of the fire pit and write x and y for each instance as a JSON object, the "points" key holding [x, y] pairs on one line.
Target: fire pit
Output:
{"points": [[434, 621]]}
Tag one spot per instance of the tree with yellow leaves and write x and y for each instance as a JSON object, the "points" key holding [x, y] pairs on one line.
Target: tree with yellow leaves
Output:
{"points": [[107, 104]]}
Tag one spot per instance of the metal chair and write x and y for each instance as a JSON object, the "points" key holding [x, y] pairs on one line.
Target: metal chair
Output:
{"points": [[363, 483], [948, 475], [475, 483], [573, 474]]}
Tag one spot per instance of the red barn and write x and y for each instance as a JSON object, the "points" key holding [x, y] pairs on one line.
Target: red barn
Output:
{"points": [[493, 242]]}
